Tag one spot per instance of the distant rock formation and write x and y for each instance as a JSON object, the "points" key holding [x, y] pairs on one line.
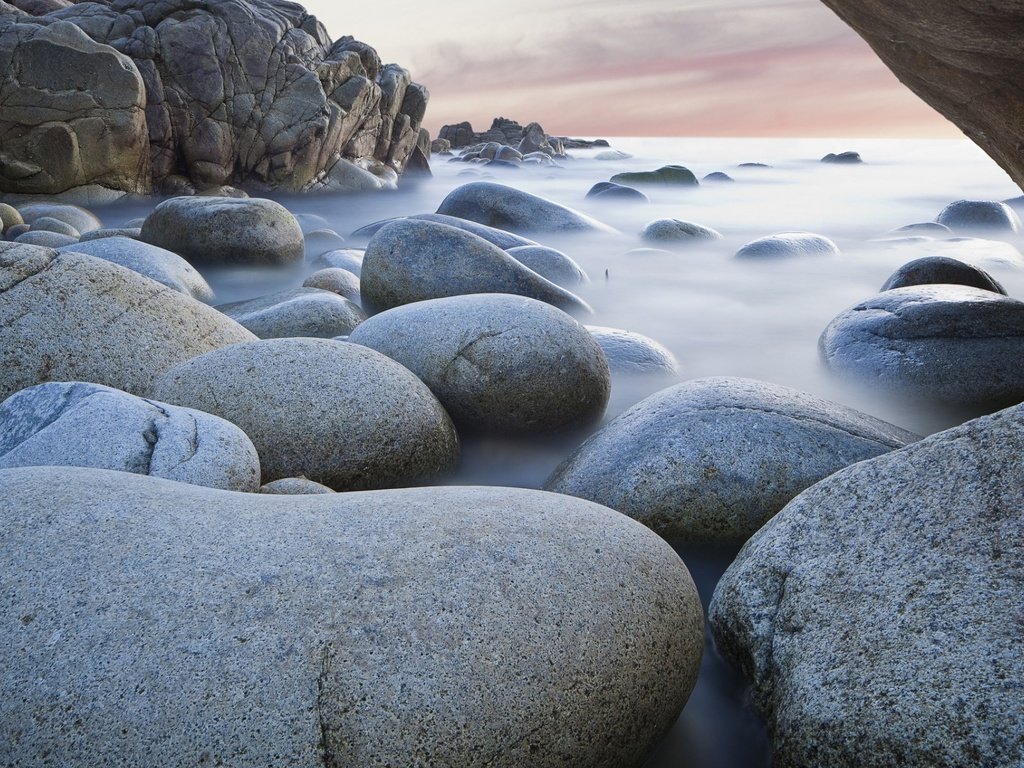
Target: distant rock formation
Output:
{"points": [[176, 96], [963, 58], [510, 133]]}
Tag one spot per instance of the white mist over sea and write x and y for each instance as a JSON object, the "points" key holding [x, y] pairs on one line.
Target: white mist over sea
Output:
{"points": [[719, 316]]}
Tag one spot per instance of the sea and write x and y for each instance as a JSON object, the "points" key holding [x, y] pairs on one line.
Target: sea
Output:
{"points": [[719, 316]]}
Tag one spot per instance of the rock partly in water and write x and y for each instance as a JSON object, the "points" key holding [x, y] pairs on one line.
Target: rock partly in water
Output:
{"points": [[941, 269], [878, 614], [711, 460], [413, 260], [89, 425], [349, 259], [788, 244], [45, 239], [607, 191], [294, 486], [985, 217], [321, 241], [550, 263], [678, 231], [335, 280], [499, 237], [717, 177], [843, 158], [340, 414], [72, 317], [50, 224], [498, 363], [310, 312], [502, 207], [225, 230], [306, 631], [947, 343], [84, 221], [155, 263], [929, 228], [674, 175], [633, 353]]}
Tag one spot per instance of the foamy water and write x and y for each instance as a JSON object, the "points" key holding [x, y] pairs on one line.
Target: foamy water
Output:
{"points": [[719, 316]]}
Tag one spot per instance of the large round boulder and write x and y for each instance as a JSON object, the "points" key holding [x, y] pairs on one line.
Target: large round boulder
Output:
{"points": [[711, 460], [340, 414], [313, 312], [879, 614], [429, 626], [985, 217], [950, 343], [72, 317], [81, 219], [633, 353], [155, 263], [498, 363], [225, 230], [930, 270], [497, 205], [412, 260], [88, 425], [550, 263]]}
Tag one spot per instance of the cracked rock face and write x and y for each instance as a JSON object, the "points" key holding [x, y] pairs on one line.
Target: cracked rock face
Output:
{"points": [[878, 614], [88, 425], [72, 317], [711, 460], [498, 363], [339, 414], [949, 343], [136, 96], [963, 58], [431, 626]]}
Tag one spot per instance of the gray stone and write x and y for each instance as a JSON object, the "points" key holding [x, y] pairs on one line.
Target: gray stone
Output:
{"points": [[678, 231], [502, 207], [9, 216], [550, 263], [502, 239], [986, 217], [673, 175], [923, 228], [430, 626], [89, 425], [717, 177], [842, 158], [629, 352], [82, 220], [311, 222], [99, 234], [350, 259], [612, 154], [498, 363], [296, 312], [15, 231], [50, 224], [948, 343], [340, 414], [878, 614], [44, 239], [149, 260], [72, 317], [336, 280], [788, 244], [294, 486], [412, 260], [711, 460], [941, 269], [321, 241], [606, 191], [225, 230]]}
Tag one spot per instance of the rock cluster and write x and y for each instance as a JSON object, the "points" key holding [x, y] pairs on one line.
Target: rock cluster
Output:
{"points": [[178, 96], [511, 134]]}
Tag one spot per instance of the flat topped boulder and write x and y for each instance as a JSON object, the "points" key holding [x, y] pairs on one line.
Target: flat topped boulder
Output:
{"points": [[413, 260], [950, 343], [878, 614], [225, 230], [72, 317], [673, 175], [429, 626], [497, 205], [711, 460]]}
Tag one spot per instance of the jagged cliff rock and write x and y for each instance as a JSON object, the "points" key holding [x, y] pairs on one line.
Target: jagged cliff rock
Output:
{"points": [[963, 58], [176, 95]]}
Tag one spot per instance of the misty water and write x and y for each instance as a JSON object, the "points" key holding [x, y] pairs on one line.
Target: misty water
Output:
{"points": [[719, 316]]}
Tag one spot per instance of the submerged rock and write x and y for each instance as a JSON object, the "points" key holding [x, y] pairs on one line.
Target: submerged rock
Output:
{"points": [[675, 175], [72, 317], [678, 231], [949, 343], [843, 158], [633, 353], [941, 269], [412, 260], [340, 414], [560, 632], [607, 191], [980, 217], [498, 363], [718, 177], [89, 425], [711, 460], [878, 613], [788, 244], [497, 205], [308, 312], [225, 230]]}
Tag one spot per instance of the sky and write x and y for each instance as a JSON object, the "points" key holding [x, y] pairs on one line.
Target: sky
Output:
{"points": [[641, 67]]}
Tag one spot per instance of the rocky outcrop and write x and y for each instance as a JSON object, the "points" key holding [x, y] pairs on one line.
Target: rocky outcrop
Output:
{"points": [[964, 59], [183, 95], [510, 133]]}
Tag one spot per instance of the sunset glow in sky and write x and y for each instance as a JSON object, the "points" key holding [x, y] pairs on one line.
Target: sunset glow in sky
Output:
{"points": [[642, 68]]}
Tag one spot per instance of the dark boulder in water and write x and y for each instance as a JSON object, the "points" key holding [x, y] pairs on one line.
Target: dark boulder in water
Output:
{"points": [[942, 269]]}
